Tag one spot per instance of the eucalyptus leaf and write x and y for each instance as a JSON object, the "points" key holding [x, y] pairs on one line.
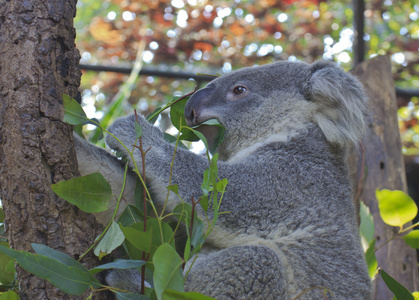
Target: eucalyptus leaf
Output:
{"points": [[130, 296], [219, 137], [167, 270], [197, 236], [57, 255], [371, 259], [112, 239], [73, 112], [177, 109], [174, 188], [206, 183], [204, 203], [91, 193], [138, 131], [412, 239], [396, 208], [161, 235], [1, 215], [139, 239], [130, 215], [366, 228], [120, 264], [398, 290], [152, 118], [7, 276], [9, 295], [71, 280]]}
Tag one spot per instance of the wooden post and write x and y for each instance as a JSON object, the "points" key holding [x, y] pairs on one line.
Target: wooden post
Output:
{"points": [[383, 169]]}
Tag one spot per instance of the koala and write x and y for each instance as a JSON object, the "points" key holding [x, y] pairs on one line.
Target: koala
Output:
{"points": [[291, 230]]}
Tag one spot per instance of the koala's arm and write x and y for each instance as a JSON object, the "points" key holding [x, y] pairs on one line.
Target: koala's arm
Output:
{"points": [[91, 159], [187, 170]]}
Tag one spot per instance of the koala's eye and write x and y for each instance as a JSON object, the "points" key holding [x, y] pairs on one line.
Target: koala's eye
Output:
{"points": [[239, 90]]}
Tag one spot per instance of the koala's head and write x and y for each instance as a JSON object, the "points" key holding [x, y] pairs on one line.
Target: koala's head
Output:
{"points": [[281, 100]]}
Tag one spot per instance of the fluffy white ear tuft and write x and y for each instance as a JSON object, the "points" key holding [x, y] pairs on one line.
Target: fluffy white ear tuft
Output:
{"points": [[342, 112]]}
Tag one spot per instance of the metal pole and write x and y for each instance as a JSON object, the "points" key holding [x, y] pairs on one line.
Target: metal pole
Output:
{"points": [[358, 43]]}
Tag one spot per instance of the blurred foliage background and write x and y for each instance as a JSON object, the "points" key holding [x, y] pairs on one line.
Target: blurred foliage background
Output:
{"points": [[211, 37]]}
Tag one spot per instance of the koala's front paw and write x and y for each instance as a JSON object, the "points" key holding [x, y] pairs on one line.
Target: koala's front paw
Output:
{"points": [[124, 130]]}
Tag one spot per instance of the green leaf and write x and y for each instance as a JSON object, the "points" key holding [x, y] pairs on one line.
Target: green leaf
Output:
{"points": [[1, 215], [366, 228], [56, 255], [204, 203], [165, 236], [177, 109], [90, 193], [412, 239], [2, 234], [6, 276], [176, 295], [112, 239], [167, 270], [71, 280], [152, 118], [73, 112], [396, 208], [9, 295], [197, 236], [221, 185], [206, 183], [130, 215], [188, 137], [138, 238], [187, 250], [130, 296], [79, 130], [120, 264], [398, 290], [371, 259], [187, 134], [219, 137], [174, 188], [191, 134], [135, 240], [138, 131]]}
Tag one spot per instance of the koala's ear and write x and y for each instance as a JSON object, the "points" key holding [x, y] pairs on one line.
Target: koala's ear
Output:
{"points": [[341, 102]]}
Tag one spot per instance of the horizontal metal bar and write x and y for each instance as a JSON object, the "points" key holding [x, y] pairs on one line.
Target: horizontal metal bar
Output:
{"points": [[147, 71], [169, 73]]}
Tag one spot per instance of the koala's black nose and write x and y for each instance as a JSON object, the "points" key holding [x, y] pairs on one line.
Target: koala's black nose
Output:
{"points": [[195, 105]]}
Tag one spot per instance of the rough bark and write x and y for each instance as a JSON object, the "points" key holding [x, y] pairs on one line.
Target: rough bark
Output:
{"points": [[38, 63], [383, 168]]}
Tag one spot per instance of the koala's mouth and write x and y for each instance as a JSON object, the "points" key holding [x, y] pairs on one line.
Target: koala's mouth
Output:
{"points": [[213, 131]]}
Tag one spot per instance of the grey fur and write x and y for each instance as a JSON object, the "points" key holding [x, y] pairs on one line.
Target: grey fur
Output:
{"points": [[292, 225]]}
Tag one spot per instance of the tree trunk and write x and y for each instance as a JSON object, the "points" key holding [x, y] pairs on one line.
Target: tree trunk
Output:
{"points": [[38, 63], [383, 168]]}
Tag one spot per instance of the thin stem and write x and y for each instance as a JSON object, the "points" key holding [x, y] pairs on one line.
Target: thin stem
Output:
{"points": [[172, 163], [171, 103], [410, 227]]}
